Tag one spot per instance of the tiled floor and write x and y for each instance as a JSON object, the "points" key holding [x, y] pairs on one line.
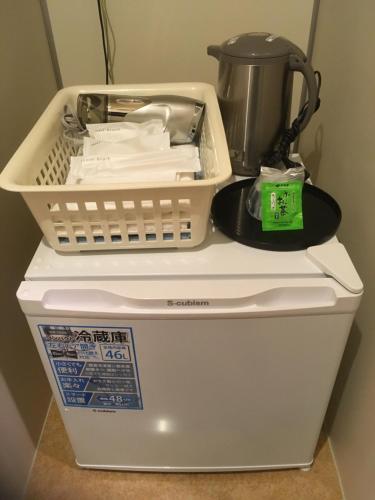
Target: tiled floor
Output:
{"points": [[56, 477]]}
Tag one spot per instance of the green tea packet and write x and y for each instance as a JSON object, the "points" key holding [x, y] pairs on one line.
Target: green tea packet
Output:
{"points": [[281, 205]]}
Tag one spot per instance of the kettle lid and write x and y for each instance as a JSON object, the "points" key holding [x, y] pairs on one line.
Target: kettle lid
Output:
{"points": [[253, 47]]}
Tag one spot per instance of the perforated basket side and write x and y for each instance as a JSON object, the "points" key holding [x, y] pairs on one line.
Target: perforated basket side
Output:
{"points": [[55, 167], [124, 219]]}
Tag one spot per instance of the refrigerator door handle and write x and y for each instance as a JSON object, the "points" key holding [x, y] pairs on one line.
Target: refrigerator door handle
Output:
{"points": [[92, 299], [280, 297]]}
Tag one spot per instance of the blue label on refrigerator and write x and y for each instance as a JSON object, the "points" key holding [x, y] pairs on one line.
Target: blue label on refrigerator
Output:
{"points": [[95, 366]]}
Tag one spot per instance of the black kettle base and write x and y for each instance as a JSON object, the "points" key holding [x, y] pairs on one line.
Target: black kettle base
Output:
{"points": [[321, 219]]}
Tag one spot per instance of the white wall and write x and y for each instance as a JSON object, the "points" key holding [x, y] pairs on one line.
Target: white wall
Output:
{"points": [[26, 85], [166, 40], [339, 145]]}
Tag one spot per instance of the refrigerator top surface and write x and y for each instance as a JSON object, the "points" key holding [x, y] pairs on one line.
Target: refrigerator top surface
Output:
{"points": [[217, 257]]}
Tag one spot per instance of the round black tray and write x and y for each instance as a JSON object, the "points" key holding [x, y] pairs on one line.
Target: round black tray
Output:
{"points": [[321, 218]]}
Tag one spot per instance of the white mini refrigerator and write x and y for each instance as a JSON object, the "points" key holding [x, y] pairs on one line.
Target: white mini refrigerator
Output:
{"points": [[217, 358]]}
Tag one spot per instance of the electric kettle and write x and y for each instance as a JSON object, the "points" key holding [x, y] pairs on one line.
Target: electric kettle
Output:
{"points": [[254, 92]]}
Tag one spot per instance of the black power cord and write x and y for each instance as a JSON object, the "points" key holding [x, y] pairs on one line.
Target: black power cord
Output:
{"points": [[282, 151], [103, 40]]}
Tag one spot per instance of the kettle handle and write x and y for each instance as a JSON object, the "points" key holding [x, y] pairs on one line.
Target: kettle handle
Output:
{"points": [[214, 50], [296, 63]]}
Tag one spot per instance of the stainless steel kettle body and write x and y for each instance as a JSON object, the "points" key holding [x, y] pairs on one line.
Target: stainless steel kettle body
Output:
{"points": [[255, 105], [254, 92]]}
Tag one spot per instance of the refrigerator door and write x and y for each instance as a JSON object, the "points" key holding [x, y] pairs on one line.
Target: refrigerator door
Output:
{"points": [[195, 376]]}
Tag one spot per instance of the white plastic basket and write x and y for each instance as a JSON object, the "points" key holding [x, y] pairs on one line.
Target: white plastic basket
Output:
{"points": [[116, 216]]}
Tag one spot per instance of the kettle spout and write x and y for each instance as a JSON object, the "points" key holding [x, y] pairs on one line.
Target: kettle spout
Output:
{"points": [[214, 50]]}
